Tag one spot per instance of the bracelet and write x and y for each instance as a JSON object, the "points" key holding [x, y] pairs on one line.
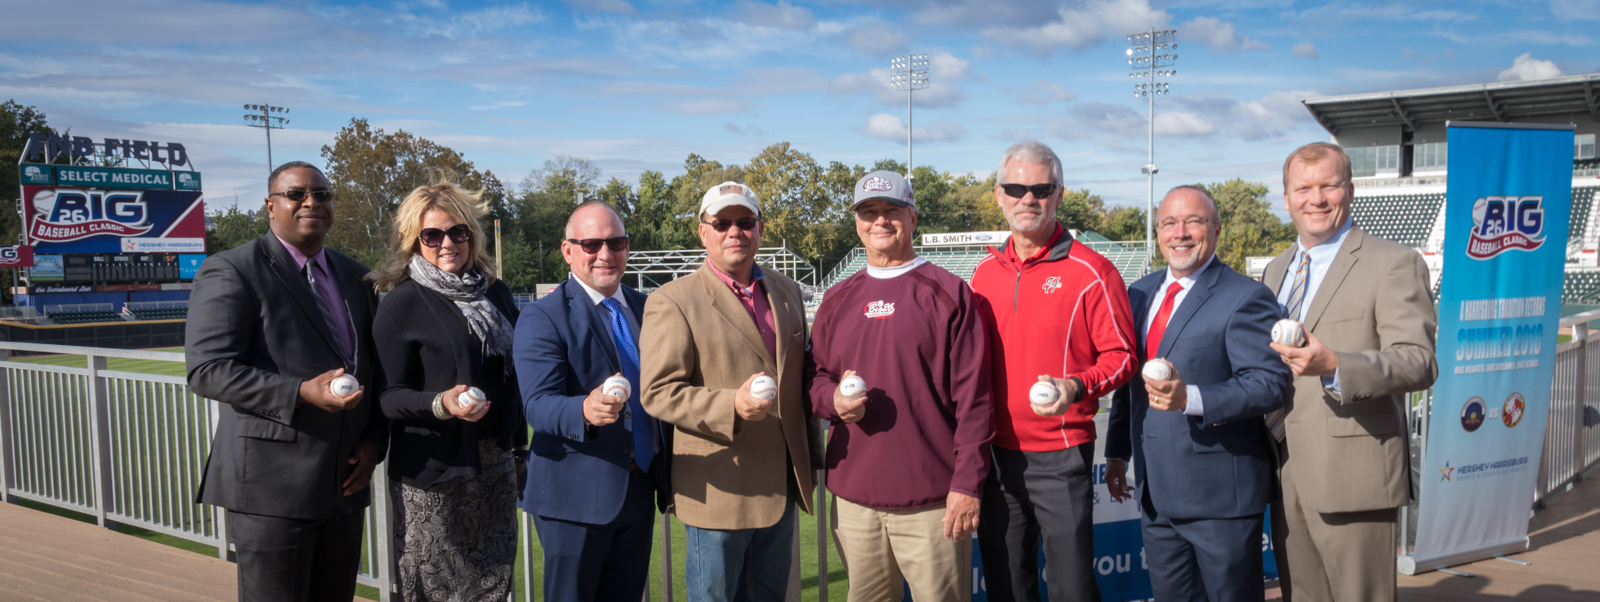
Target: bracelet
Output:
{"points": [[521, 455], [438, 408]]}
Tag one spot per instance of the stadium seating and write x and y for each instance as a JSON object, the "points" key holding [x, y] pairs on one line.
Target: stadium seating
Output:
{"points": [[163, 313], [85, 317], [1403, 218], [1581, 286], [1582, 203]]}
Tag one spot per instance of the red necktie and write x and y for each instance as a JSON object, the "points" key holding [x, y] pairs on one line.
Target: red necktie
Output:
{"points": [[1158, 327]]}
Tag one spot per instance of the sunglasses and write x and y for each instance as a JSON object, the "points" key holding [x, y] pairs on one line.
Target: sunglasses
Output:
{"points": [[433, 237], [298, 195], [721, 225], [617, 244], [1039, 191]]}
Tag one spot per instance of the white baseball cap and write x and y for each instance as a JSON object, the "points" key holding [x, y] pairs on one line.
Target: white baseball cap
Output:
{"points": [[727, 194]]}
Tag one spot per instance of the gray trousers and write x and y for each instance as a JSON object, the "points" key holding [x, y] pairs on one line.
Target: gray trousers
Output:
{"points": [[290, 559], [1030, 495]]}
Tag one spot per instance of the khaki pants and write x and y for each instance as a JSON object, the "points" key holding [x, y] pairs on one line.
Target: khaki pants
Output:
{"points": [[881, 547], [1339, 557]]}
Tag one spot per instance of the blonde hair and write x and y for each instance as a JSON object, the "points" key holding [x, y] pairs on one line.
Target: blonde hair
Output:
{"points": [[1314, 153], [464, 206]]}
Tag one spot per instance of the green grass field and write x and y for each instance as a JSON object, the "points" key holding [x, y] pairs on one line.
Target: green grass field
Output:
{"points": [[808, 525]]}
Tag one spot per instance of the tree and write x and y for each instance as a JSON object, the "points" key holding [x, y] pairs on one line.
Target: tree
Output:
{"points": [[234, 227], [371, 171], [1123, 223], [654, 224], [564, 175], [1081, 210], [793, 200], [16, 122], [1249, 229]]}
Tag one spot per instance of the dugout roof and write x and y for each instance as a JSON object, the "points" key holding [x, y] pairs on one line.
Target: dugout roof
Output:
{"points": [[1506, 101]]}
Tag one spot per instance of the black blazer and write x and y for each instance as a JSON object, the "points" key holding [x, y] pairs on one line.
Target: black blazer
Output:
{"points": [[424, 342], [254, 333]]}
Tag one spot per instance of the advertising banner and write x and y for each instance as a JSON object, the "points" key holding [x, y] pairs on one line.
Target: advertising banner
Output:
{"points": [[62, 219], [189, 265], [16, 256], [47, 268], [1507, 209]]}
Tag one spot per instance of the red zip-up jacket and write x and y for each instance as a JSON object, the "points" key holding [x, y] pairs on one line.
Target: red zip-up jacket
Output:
{"points": [[1063, 312]]}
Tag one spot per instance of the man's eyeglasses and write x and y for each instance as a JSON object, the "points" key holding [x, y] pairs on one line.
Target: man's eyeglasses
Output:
{"points": [[298, 195], [1192, 223], [721, 225], [1039, 191], [434, 237], [617, 244]]}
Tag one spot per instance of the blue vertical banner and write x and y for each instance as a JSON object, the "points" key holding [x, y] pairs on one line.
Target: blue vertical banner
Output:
{"points": [[1507, 209]]}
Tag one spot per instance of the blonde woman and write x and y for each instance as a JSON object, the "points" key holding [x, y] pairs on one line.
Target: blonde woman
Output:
{"points": [[454, 468]]}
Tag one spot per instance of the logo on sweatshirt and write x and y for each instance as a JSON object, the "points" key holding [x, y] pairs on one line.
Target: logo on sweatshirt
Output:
{"points": [[1051, 284], [879, 310]]}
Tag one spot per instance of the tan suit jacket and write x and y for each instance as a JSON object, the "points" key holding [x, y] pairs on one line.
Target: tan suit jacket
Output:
{"points": [[698, 347], [1348, 449]]}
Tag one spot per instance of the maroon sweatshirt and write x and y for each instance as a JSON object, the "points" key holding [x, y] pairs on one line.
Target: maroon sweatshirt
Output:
{"points": [[919, 341]]}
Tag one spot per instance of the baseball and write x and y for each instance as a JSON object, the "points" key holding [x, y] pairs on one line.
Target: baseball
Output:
{"points": [[1289, 333], [852, 386], [1043, 393], [763, 387], [344, 385], [471, 398], [617, 386], [1157, 369]]}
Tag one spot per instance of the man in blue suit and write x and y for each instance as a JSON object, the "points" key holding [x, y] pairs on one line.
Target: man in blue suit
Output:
{"points": [[1199, 446], [599, 466]]}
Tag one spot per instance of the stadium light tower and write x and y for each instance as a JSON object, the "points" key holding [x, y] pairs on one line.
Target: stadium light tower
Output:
{"points": [[910, 74], [1148, 64], [267, 121]]}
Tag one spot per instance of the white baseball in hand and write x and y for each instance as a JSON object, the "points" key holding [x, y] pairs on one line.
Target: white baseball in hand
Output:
{"points": [[852, 386], [344, 385], [471, 398], [1043, 393], [617, 386], [1289, 333], [763, 387], [1157, 369]]}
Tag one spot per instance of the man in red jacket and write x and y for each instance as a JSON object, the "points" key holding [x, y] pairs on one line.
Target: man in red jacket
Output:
{"points": [[1061, 315]]}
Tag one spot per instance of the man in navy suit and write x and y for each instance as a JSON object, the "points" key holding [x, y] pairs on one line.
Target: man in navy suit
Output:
{"points": [[599, 468], [1199, 446]]}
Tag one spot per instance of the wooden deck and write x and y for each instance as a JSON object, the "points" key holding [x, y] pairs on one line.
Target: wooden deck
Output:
{"points": [[47, 557]]}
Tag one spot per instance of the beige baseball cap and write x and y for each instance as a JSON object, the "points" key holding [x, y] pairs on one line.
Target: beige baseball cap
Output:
{"points": [[727, 194]]}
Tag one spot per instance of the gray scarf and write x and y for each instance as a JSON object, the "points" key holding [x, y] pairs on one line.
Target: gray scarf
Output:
{"points": [[466, 291]]}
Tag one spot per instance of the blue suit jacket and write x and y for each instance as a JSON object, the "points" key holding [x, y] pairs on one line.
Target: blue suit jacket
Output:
{"points": [[1219, 465], [563, 351]]}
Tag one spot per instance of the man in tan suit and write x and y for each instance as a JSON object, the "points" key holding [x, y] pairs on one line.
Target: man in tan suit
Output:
{"points": [[740, 464], [1342, 440]]}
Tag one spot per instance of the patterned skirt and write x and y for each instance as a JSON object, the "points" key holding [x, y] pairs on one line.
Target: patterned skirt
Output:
{"points": [[457, 540]]}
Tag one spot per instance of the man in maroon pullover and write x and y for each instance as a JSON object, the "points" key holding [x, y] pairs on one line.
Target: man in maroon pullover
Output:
{"points": [[907, 458], [1061, 314]]}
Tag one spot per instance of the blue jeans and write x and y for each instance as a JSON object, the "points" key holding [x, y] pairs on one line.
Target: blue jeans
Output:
{"points": [[740, 565]]}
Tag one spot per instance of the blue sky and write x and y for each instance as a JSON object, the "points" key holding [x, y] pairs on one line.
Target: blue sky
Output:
{"points": [[635, 84]]}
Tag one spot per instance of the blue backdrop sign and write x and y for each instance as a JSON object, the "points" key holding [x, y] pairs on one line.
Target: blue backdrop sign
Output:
{"points": [[1507, 210]]}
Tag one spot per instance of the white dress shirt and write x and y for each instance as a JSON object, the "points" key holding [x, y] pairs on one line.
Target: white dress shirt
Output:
{"points": [[1322, 256], [1195, 406]]}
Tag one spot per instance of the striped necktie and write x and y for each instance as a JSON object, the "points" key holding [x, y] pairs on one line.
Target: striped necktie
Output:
{"points": [[1297, 299], [327, 313]]}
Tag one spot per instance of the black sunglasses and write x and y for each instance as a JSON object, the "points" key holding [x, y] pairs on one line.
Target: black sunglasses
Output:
{"points": [[298, 195], [617, 244], [1039, 191], [433, 237], [721, 225]]}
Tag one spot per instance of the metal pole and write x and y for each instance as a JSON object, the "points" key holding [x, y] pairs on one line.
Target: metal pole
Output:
{"points": [[1150, 177], [908, 128], [100, 440], [269, 146], [498, 271], [8, 458], [1581, 335]]}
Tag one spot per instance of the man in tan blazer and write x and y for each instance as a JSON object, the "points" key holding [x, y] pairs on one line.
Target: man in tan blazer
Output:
{"points": [[740, 464], [1342, 440]]}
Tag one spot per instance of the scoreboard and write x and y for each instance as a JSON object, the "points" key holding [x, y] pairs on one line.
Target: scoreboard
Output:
{"points": [[120, 267]]}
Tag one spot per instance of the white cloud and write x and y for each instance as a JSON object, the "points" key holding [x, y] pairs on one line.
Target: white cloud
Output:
{"points": [[1526, 68], [1575, 9], [707, 106], [478, 22], [499, 105], [876, 39], [888, 127], [780, 16], [1219, 35], [1305, 50], [1078, 28], [1274, 117], [944, 70], [1041, 93], [620, 7]]}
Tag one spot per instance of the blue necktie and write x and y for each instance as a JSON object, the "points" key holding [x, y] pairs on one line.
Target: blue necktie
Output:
{"points": [[644, 446]]}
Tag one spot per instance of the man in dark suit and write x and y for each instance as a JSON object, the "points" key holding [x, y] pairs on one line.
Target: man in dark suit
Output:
{"points": [[1199, 446], [271, 324], [600, 464]]}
